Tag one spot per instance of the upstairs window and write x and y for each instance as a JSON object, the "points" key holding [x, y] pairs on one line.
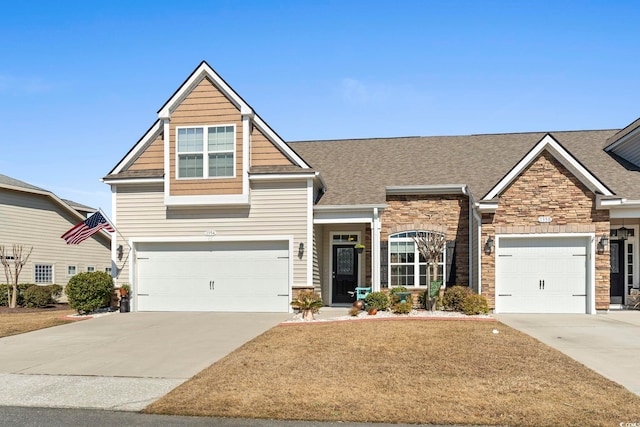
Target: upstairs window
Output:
{"points": [[206, 151]]}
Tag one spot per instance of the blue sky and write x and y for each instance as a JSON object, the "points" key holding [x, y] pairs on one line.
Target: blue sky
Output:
{"points": [[80, 82]]}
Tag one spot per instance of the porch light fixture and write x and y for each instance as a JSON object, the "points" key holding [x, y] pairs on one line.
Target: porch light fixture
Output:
{"points": [[488, 246], [602, 243], [119, 251], [301, 250], [623, 232]]}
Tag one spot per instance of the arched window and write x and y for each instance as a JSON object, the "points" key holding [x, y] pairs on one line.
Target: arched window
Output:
{"points": [[406, 266]]}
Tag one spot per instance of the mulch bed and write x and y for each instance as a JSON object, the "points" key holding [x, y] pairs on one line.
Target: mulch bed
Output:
{"points": [[55, 307]]}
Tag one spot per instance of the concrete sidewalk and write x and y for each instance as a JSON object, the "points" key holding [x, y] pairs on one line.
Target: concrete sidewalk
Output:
{"points": [[119, 361], [607, 342]]}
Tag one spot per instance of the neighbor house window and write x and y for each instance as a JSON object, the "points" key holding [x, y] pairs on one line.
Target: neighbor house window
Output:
{"points": [[406, 266], [91, 269], [107, 270], [206, 152], [43, 273], [71, 270]]}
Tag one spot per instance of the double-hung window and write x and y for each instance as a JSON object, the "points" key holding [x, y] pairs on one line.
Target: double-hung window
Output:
{"points": [[407, 267], [206, 151]]}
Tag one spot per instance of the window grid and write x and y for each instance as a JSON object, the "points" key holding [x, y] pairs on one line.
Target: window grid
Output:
{"points": [[71, 270], [213, 158], [91, 269], [405, 260], [43, 273]]}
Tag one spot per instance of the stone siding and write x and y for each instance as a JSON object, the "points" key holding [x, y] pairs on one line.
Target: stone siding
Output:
{"points": [[444, 213], [547, 188]]}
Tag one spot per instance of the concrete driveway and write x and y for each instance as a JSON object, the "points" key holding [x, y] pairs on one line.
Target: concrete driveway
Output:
{"points": [[119, 361], [608, 343]]}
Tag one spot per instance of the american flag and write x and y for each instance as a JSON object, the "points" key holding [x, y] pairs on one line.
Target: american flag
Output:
{"points": [[86, 229]]}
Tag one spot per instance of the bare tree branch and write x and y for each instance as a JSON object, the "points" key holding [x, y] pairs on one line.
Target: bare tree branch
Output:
{"points": [[13, 274]]}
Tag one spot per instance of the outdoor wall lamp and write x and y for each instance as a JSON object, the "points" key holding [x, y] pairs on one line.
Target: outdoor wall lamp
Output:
{"points": [[301, 250], [602, 243], [488, 246], [119, 252]]}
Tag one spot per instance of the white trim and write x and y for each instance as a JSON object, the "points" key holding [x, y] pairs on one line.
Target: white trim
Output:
{"points": [[480, 253], [280, 176], [427, 189], [246, 152], [620, 212], [167, 157], [309, 245], [417, 263], [274, 138], [149, 136], [348, 214], [590, 274], [563, 156], [120, 181], [224, 199], [114, 241], [376, 228], [205, 154], [624, 139], [487, 206]]}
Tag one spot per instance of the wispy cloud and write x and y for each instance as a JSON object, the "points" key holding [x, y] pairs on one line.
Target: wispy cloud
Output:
{"points": [[359, 93], [24, 85]]}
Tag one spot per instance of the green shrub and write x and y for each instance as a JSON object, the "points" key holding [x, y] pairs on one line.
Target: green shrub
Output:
{"points": [[402, 307], [377, 300], [89, 291], [308, 300], [21, 288], [455, 296], [475, 304], [41, 296]]}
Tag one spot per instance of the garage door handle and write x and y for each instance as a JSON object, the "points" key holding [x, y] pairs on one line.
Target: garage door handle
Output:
{"points": [[541, 284], [579, 295], [212, 285], [283, 295], [504, 295]]}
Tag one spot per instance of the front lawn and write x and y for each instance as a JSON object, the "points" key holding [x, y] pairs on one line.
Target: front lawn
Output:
{"points": [[409, 371], [14, 321]]}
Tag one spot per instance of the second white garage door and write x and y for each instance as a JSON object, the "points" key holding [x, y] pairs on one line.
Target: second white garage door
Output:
{"points": [[224, 276], [541, 275]]}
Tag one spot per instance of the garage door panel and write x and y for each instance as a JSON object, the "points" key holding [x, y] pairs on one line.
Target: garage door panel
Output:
{"points": [[541, 275], [221, 276]]}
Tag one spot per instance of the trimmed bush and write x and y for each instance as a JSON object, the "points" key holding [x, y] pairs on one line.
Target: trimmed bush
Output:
{"points": [[89, 291], [377, 300], [455, 296], [475, 304], [402, 307], [21, 288], [41, 296]]}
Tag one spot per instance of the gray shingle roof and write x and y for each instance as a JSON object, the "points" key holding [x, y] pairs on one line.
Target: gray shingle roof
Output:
{"points": [[357, 171], [7, 180]]}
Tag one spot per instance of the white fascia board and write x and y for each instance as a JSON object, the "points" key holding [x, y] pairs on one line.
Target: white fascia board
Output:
{"points": [[348, 214], [562, 155], [121, 181], [212, 239], [280, 176], [274, 138], [222, 200], [203, 70], [427, 189], [631, 135], [604, 203], [627, 209], [151, 134], [486, 206]]}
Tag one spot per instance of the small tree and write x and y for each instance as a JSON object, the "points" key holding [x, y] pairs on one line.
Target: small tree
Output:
{"points": [[12, 267], [430, 244]]}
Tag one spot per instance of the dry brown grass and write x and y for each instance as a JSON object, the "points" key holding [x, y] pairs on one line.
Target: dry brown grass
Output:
{"points": [[440, 372], [19, 322]]}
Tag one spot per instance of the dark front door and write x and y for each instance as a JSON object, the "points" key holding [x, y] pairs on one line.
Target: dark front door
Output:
{"points": [[345, 273], [617, 271]]}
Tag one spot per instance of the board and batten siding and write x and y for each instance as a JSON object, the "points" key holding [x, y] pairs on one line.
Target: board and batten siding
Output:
{"points": [[205, 105], [35, 220], [276, 209]]}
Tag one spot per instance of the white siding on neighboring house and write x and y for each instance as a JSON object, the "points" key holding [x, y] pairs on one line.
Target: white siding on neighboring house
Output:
{"points": [[36, 220], [277, 209]]}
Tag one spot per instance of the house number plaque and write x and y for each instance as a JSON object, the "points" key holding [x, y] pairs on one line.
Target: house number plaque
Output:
{"points": [[544, 219]]}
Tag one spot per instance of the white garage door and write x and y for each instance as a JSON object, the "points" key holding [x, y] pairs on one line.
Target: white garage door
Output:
{"points": [[225, 276], [541, 275]]}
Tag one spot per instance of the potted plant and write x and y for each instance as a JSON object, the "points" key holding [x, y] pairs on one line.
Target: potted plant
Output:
{"points": [[359, 248], [125, 289], [308, 302]]}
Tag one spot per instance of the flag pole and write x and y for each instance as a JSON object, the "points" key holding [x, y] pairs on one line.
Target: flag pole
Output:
{"points": [[114, 226]]}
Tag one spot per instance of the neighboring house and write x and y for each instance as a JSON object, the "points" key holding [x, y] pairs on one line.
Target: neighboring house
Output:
{"points": [[34, 217], [219, 213]]}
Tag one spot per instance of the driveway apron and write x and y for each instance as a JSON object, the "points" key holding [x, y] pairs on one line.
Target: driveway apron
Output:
{"points": [[119, 361], [607, 342]]}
